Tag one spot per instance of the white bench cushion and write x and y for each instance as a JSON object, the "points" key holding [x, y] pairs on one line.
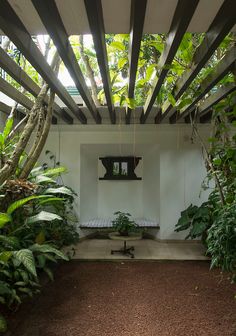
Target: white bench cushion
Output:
{"points": [[97, 223]]}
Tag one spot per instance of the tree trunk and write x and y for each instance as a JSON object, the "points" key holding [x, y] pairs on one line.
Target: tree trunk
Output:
{"points": [[208, 159], [42, 132], [89, 71], [38, 133], [38, 145]]}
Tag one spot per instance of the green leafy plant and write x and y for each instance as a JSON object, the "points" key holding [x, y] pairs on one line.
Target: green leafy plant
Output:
{"points": [[36, 221], [195, 219], [221, 239], [123, 224]]}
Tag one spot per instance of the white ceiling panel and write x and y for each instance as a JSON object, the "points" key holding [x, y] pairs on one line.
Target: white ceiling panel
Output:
{"points": [[74, 17], [116, 16], [28, 15], [159, 14], [116, 13], [204, 15]]}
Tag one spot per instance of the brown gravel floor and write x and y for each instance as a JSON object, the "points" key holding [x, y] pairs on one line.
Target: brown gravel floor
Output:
{"points": [[131, 299]]}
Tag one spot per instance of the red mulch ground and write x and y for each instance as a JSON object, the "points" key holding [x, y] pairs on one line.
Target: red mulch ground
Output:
{"points": [[131, 299]]}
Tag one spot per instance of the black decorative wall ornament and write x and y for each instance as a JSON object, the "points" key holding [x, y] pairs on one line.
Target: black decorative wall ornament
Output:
{"points": [[120, 167]]}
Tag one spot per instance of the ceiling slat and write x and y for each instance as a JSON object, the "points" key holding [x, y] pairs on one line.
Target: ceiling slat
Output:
{"points": [[213, 99], [96, 23], [52, 21], [17, 96], [16, 31], [16, 72], [137, 17], [206, 117], [14, 94], [5, 108], [182, 17], [219, 28], [221, 69]]}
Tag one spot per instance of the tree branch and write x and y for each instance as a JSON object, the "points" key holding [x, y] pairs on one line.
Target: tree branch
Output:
{"points": [[89, 70]]}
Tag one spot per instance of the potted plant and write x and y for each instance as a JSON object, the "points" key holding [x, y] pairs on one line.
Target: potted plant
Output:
{"points": [[123, 224]]}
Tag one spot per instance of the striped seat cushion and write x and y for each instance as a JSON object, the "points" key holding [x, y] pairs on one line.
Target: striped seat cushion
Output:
{"points": [[97, 223]]}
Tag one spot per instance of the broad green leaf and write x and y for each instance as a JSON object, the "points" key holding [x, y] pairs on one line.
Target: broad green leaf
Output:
{"points": [[5, 256], [131, 103], [9, 242], [25, 256], [55, 171], [49, 273], [60, 190], [40, 238], [4, 288], [1, 140], [43, 216], [41, 260], [36, 171], [45, 248], [51, 200], [198, 229], [4, 219], [116, 98], [16, 205], [171, 99], [44, 179], [217, 161], [158, 46], [7, 128], [118, 45], [122, 62], [183, 103], [150, 70], [211, 140]]}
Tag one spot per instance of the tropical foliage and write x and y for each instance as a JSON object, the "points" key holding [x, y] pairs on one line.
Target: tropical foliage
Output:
{"points": [[149, 65], [36, 221], [36, 210], [215, 220]]}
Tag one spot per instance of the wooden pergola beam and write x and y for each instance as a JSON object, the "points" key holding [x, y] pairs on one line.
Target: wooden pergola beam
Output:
{"points": [[221, 69], [5, 108], [17, 96], [16, 72], [14, 94], [206, 117], [19, 115], [216, 97], [52, 21], [96, 23], [137, 17], [182, 17], [219, 28], [18, 34]]}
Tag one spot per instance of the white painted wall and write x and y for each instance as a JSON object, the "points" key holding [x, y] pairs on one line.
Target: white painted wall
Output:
{"points": [[101, 198], [172, 169]]}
